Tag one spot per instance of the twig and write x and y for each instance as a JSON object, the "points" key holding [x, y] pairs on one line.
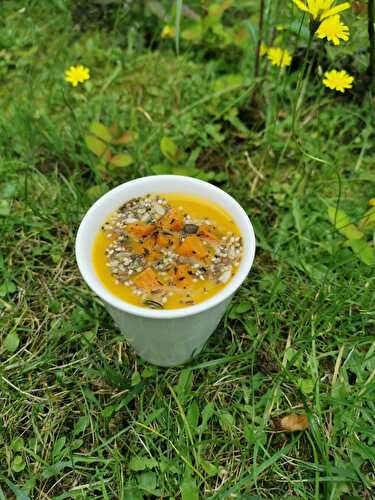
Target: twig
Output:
{"points": [[23, 392], [251, 165]]}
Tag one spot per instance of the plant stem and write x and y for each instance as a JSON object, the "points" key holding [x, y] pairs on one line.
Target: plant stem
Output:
{"points": [[260, 37], [371, 36], [297, 101]]}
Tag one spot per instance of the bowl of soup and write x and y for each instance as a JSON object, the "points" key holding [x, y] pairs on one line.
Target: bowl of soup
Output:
{"points": [[165, 254]]}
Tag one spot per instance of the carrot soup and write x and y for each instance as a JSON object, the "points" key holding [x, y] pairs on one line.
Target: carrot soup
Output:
{"points": [[167, 251]]}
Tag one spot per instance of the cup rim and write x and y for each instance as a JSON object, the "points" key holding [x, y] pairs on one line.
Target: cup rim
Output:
{"points": [[88, 273]]}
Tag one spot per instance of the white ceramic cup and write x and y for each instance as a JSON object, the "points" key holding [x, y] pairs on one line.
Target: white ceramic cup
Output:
{"points": [[163, 337]]}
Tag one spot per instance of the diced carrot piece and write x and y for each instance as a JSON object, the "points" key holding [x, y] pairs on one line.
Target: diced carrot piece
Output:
{"points": [[147, 280], [162, 240], [167, 240], [172, 220], [208, 232], [192, 246], [152, 256], [140, 229], [182, 277], [137, 247], [143, 246]]}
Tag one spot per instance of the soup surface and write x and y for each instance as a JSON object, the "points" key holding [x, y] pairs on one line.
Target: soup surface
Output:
{"points": [[167, 251]]}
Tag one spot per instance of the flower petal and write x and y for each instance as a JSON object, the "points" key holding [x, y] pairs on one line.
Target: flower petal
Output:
{"points": [[301, 5], [335, 10]]}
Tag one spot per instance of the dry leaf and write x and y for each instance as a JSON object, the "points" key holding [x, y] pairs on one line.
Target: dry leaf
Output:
{"points": [[294, 423], [359, 7]]}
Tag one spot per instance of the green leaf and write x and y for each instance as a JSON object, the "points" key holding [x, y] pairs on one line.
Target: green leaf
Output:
{"points": [[81, 425], [156, 8], [18, 463], [19, 494], [209, 468], [184, 385], [238, 309], [76, 443], [227, 421], [95, 145], [58, 447], [101, 131], [297, 215], [189, 489], [369, 219], [17, 444], [56, 469], [194, 33], [207, 413], [11, 342], [141, 463], [306, 385], [168, 148], [364, 251], [147, 481], [254, 435], [343, 224], [217, 9], [136, 378], [133, 493], [161, 169], [97, 191], [7, 287], [192, 415], [121, 160], [4, 207]]}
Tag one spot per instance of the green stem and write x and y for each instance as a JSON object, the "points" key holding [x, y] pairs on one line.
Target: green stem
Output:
{"points": [[260, 37], [371, 36], [80, 130], [306, 62]]}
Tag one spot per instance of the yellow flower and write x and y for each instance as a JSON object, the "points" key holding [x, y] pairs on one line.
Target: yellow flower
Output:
{"points": [[263, 49], [338, 80], [321, 9], [333, 29], [279, 57], [77, 74], [371, 202], [168, 32]]}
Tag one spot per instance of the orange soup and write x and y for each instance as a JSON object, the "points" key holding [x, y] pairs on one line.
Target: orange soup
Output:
{"points": [[167, 251]]}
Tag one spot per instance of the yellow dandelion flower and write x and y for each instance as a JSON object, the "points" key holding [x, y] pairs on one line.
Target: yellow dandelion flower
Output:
{"points": [[168, 32], [279, 57], [338, 80], [333, 29], [263, 49], [321, 9], [77, 74]]}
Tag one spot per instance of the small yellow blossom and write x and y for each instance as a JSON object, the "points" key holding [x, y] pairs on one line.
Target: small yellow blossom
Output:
{"points": [[279, 57], [371, 202], [333, 29], [77, 74], [321, 9], [168, 32], [263, 49], [338, 80]]}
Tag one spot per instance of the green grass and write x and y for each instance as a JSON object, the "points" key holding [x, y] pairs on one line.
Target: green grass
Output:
{"points": [[81, 415]]}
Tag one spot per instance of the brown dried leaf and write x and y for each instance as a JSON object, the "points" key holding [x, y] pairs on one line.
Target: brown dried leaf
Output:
{"points": [[294, 423], [126, 138], [359, 7]]}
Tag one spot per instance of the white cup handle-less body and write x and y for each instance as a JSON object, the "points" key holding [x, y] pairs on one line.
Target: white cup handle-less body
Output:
{"points": [[163, 337], [168, 342]]}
